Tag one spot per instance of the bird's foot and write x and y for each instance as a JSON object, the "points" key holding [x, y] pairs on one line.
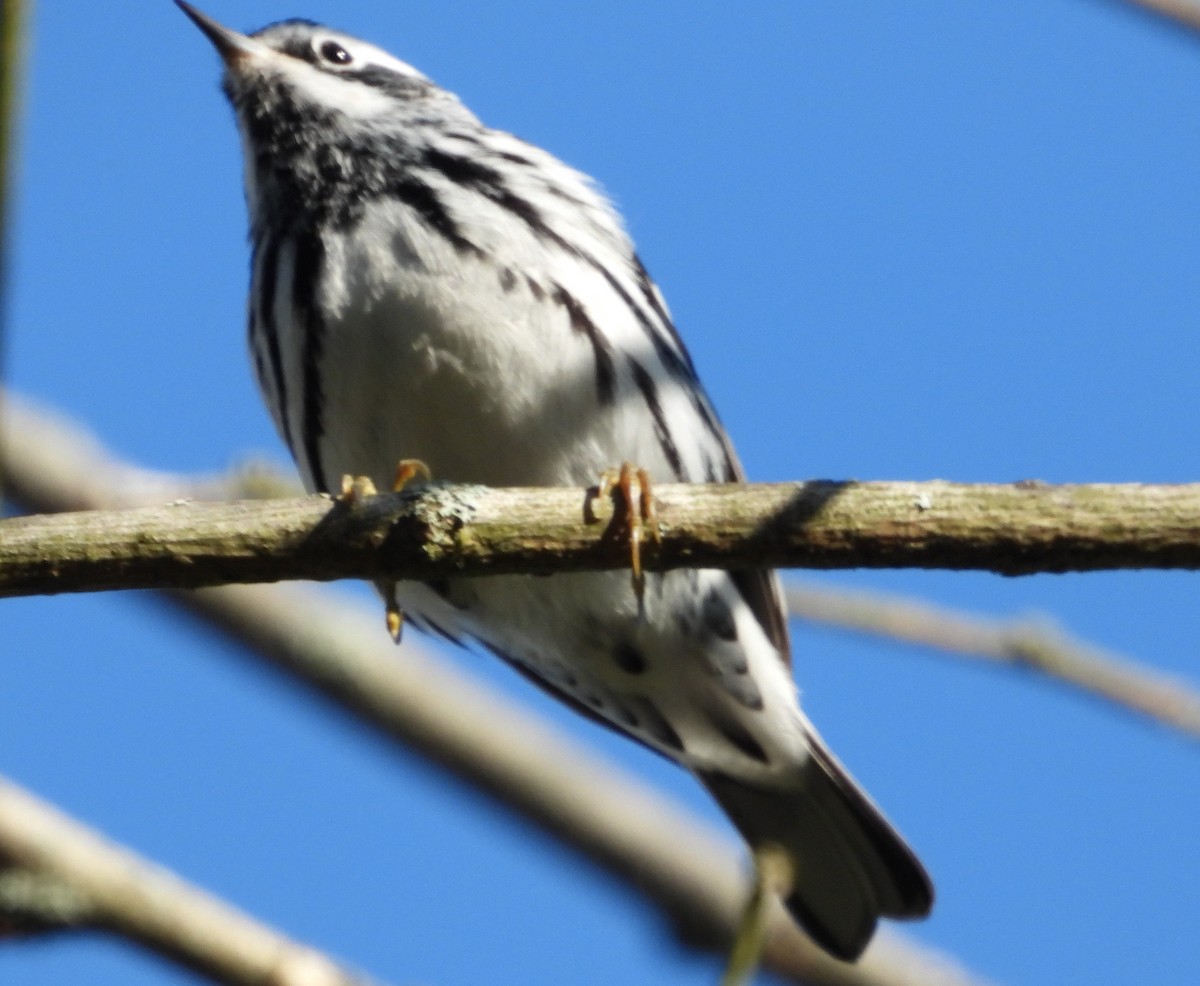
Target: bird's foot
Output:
{"points": [[357, 488], [638, 516]]}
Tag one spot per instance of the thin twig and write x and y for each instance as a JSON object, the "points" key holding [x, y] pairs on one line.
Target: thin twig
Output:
{"points": [[695, 878], [1033, 644], [54, 872]]}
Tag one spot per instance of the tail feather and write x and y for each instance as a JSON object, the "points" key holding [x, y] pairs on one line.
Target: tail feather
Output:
{"points": [[851, 866]]}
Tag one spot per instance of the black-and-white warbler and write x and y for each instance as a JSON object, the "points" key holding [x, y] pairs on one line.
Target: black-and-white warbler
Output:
{"points": [[425, 286]]}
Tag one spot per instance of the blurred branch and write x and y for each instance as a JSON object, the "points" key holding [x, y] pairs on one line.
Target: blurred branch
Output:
{"points": [[456, 530], [12, 43], [55, 873], [12, 39], [693, 876], [1031, 644], [1182, 13]]}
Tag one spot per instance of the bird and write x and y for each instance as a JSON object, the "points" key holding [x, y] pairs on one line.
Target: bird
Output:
{"points": [[429, 289]]}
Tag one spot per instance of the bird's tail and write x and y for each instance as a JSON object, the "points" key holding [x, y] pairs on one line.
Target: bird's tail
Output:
{"points": [[850, 866]]}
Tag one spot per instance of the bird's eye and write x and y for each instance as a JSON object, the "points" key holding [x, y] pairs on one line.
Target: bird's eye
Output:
{"points": [[335, 54]]}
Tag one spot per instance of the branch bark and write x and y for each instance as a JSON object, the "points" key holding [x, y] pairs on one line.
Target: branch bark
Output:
{"points": [[460, 530], [693, 877]]}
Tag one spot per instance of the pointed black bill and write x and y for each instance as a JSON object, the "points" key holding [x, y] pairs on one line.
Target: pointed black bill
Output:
{"points": [[231, 45]]}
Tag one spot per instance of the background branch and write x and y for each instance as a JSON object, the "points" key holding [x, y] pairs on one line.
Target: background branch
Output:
{"points": [[1030, 644], [694, 877], [1182, 13], [54, 872]]}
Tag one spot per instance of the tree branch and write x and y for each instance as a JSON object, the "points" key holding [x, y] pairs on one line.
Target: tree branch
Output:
{"points": [[1035, 645], [56, 873], [693, 877], [472, 530], [1181, 13]]}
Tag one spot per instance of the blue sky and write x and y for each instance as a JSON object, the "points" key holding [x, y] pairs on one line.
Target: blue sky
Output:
{"points": [[903, 241]]}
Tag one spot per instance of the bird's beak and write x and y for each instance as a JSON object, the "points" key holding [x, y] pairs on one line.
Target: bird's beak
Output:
{"points": [[231, 46]]}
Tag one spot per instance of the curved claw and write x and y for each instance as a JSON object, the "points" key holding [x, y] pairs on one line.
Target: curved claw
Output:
{"points": [[393, 615], [406, 470]]}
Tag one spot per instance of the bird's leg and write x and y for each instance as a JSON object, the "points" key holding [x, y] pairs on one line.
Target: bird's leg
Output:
{"points": [[774, 877], [356, 488], [640, 521]]}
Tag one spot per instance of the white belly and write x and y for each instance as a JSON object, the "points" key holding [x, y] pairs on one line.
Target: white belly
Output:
{"points": [[481, 376], [488, 378]]}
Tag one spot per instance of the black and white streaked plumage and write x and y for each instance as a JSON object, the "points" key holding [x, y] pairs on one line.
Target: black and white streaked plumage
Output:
{"points": [[426, 287]]}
